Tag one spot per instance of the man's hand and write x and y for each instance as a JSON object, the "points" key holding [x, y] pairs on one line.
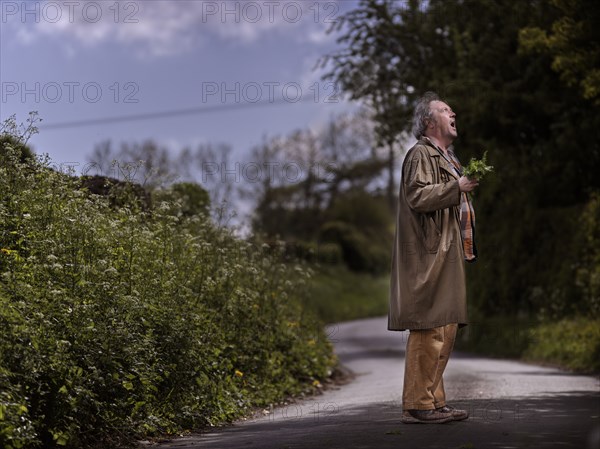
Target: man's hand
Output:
{"points": [[466, 185]]}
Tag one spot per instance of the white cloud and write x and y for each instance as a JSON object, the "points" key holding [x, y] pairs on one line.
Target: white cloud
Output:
{"points": [[319, 36], [160, 28]]}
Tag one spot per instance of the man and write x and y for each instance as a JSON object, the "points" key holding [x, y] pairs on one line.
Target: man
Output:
{"points": [[434, 234]]}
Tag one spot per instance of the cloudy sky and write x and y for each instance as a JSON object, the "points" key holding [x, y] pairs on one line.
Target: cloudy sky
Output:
{"points": [[249, 63]]}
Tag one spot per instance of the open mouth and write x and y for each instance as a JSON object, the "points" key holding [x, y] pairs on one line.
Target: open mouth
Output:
{"points": [[453, 125]]}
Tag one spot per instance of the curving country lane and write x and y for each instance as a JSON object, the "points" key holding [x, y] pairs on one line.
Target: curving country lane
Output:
{"points": [[512, 405]]}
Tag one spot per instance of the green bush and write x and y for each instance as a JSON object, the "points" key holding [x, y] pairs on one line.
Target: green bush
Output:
{"points": [[497, 336], [329, 253], [119, 323], [571, 343], [191, 198], [359, 251], [314, 252], [587, 268], [338, 294]]}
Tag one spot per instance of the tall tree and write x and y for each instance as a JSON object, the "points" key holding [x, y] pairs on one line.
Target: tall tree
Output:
{"points": [[373, 67], [573, 42]]}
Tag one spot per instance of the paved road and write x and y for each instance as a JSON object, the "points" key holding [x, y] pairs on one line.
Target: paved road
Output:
{"points": [[512, 405]]}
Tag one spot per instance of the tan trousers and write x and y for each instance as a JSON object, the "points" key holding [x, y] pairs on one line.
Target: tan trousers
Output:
{"points": [[427, 353]]}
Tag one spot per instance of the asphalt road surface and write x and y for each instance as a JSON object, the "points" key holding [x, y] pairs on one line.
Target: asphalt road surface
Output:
{"points": [[512, 405]]}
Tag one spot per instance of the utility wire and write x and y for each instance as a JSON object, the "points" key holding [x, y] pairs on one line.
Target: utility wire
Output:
{"points": [[172, 113]]}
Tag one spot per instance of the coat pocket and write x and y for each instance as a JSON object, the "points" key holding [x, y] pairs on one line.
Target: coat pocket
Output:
{"points": [[431, 231]]}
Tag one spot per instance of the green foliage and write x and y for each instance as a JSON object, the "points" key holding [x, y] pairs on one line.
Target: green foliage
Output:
{"points": [[334, 208], [369, 65], [571, 343], [358, 252], [7, 140], [119, 193], [329, 253], [359, 224], [190, 198], [587, 268], [498, 336], [339, 294], [313, 252], [572, 42], [119, 323], [478, 168]]}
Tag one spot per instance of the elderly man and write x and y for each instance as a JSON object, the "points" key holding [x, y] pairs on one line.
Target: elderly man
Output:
{"points": [[434, 234]]}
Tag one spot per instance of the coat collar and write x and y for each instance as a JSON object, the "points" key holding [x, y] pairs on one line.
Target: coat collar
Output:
{"points": [[434, 151]]}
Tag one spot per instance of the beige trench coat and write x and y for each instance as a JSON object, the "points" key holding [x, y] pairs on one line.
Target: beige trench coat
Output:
{"points": [[427, 287]]}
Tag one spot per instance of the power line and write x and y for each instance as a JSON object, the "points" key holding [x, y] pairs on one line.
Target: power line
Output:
{"points": [[172, 113]]}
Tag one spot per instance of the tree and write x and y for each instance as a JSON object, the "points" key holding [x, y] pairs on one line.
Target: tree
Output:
{"points": [[186, 199], [369, 68], [195, 178], [145, 163], [321, 186], [212, 166], [572, 41]]}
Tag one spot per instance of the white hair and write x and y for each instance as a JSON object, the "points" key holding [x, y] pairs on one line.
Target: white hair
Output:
{"points": [[423, 114]]}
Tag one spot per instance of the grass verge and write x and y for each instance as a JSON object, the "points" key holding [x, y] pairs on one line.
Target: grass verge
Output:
{"points": [[571, 343]]}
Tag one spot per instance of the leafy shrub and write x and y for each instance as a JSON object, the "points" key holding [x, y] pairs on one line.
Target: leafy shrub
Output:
{"points": [[329, 253], [571, 343], [14, 142], [118, 323], [358, 250], [496, 336], [191, 199], [588, 266], [338, 294], [118, 192], [314, 252]]}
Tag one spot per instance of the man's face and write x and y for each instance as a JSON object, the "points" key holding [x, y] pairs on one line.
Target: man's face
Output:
{"points": [[444, 120]]}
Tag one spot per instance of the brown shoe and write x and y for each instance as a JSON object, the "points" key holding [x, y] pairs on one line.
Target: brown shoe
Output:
{"points": [[425, 417], [457, 415]]}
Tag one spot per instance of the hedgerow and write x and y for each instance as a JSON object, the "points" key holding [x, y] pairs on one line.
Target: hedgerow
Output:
{"points": [[120, 322], [572, 343]]}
